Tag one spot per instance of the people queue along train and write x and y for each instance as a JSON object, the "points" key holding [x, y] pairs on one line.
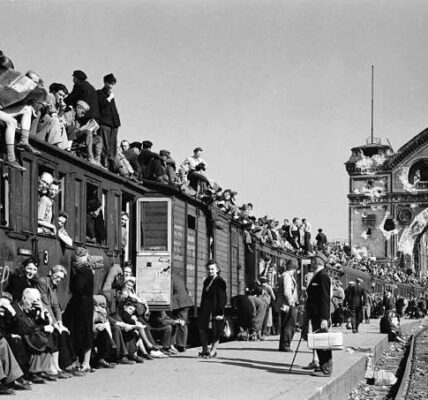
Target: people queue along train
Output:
{"points": [[42, 342]]}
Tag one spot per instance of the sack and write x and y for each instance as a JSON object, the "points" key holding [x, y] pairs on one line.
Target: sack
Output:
{"points": [[325, 341], [226, 332]]}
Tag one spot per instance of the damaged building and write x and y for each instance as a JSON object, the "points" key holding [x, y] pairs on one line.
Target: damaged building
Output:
{"points": [[388, 203]]}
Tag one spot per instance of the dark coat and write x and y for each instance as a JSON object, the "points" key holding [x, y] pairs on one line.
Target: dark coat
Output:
{"points": [[133, 160], [355, 296], [180, 295], [86, 92], [30, 328], [213, 300], [389, 303], [78, 316], [108, 112], [18, 283], [318, 303]]}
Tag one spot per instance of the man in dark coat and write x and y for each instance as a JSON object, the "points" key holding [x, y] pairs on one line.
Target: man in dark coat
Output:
{"points": [[321, 239], [131, 155], [318, 308], [356, 300], [83, 90], [180, 303], [109, 119], [150, 162]]}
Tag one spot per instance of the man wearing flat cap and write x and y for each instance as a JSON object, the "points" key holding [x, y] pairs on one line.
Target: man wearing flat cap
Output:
{"points": [[109, 120], [287, 302], [150, 162], [83, 90], [355, 300], [318, 309]]}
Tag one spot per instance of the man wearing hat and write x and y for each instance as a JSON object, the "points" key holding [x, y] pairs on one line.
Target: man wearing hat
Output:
{"points": [[150, 162], [131, 151], [318, 309], [83, 90], [80, 131], [287, 302], [356, 300], [168, 164], [109, 119]]}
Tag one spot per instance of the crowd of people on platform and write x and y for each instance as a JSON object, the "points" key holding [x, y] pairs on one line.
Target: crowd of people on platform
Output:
{"points": [[42, 342]]}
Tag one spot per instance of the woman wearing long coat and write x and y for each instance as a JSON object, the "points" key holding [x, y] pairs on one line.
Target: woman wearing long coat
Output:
{"points": [[213, 302], [78, 316]]}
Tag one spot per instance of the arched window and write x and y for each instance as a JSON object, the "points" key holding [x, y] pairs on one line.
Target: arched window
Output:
{"points": [[418, 173]]}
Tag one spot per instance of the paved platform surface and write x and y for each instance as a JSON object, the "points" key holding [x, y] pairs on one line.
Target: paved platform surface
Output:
{"points": [[242, 371]]}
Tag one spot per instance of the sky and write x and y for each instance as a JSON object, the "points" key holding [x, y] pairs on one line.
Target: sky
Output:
{"points": [[275, 92]]}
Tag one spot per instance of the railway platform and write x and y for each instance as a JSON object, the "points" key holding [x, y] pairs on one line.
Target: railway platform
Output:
{"points": [[241, 371]]}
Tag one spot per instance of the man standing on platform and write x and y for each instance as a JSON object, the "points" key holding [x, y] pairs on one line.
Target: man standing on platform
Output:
{"points": [[287, 301], [318, 308], [109, 119], [356, 300]]}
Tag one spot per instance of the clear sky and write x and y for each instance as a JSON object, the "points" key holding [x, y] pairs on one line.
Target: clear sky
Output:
{"points": [[276, 92]]}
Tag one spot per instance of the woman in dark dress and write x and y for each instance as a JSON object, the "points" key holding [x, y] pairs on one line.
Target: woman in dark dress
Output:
{"points": [[213, 302], [78, 316], [26, 277]]}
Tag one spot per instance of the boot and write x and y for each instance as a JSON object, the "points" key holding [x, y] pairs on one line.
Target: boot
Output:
{"points": [[23, 144]]}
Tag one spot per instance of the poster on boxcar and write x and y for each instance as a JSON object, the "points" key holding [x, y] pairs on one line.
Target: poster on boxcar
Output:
{"points": [[154, 279]]}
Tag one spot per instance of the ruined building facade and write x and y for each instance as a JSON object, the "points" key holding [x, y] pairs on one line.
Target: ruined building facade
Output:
{"points": [[388, 203]]}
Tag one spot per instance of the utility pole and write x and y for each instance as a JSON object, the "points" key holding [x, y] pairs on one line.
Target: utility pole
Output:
{"points": [[372, 104]]}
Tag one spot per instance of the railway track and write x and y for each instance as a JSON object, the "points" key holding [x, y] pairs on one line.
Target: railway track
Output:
{"points": [[414, 382], [409, 363]]}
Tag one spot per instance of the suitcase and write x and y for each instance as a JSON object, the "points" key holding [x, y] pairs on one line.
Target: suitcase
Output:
{"points": [[325, 341]]}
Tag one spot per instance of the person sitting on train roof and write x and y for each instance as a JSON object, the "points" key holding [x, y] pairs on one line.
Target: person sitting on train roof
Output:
{"points": [[122, 166], [62, 233], [150, 162], [84, 91], [24, 277], [45, 210], [84, 133], [109, 119], [169, 175], [131, 152], [22, 109], [11, 374], [49, 124], [190, 163]]}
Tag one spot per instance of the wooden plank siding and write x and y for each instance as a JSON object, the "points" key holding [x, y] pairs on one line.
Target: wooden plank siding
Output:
{"points": [[222, 252], [202, 256], [179, 237]]}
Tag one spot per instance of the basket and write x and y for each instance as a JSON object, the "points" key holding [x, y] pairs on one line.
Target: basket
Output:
{"points": [[325, 341]]}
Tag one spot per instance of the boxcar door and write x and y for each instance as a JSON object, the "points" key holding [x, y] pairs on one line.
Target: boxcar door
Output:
{"points": [[153, 261]]}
